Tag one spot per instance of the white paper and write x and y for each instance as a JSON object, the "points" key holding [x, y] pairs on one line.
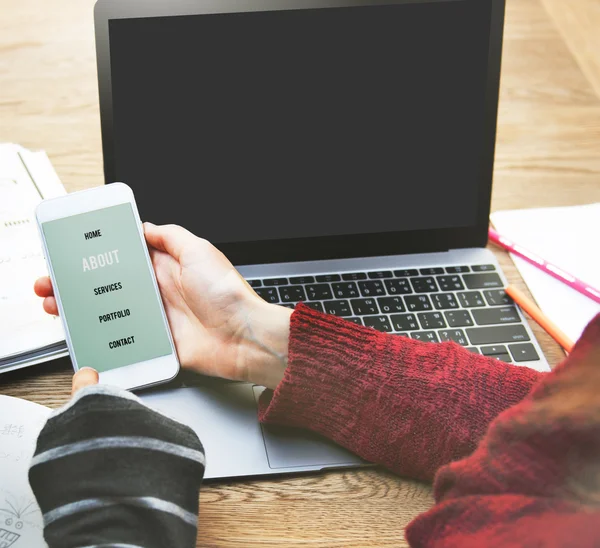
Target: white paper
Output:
{"points": [[21, 524], [569, 238], [17, 190], [25, 179]]}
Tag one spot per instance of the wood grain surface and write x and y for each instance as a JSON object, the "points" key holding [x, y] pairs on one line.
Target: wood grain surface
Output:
{"points": [[548, 154]]}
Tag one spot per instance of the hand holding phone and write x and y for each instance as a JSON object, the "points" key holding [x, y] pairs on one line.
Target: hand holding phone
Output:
{"points": [[219, 324]]}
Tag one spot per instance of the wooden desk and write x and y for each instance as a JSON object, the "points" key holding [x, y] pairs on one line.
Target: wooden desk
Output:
{"points": [[548, 154]]}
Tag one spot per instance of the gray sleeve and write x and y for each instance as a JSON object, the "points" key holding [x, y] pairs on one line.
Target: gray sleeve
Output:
{"points": [[108, 470]]}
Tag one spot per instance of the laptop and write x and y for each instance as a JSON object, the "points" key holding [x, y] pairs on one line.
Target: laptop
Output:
{"points": [[339, 152]]}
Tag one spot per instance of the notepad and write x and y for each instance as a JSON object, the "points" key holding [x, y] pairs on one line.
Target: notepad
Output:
{"points": [[27, 334], [21, 523], [568, 237]]}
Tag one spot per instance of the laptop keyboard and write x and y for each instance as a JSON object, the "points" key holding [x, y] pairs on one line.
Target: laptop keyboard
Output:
{"points": [[464, 304]]}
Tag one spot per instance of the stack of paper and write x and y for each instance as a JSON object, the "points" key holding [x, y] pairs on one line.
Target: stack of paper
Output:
{"points": [[567, 237], [27, 334]]}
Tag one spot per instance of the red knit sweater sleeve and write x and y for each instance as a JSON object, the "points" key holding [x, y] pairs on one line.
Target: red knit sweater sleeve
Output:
{"points": [[408, 405], [532, 478]]}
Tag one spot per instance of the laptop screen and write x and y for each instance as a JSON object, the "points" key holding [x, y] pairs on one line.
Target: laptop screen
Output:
{"points": [[299, 124]]}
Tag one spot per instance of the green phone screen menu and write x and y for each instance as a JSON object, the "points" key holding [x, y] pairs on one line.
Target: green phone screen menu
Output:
{"points": [[111, 308]]}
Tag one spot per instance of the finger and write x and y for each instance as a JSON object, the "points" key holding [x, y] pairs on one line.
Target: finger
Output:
{"points": [[171, 239], [50, 306], [167, 273], [43, 287], [84, 377]]}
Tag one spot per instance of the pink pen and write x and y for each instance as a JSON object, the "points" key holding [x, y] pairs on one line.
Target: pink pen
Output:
{"points": [[549, 268]]}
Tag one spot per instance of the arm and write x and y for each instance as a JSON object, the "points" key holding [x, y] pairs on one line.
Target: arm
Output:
{"points": [[534, 480], [407, 405], [108, 470]]}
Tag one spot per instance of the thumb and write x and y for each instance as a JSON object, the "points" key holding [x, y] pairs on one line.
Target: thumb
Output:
{"points": [[84, 377], [171, 239]]}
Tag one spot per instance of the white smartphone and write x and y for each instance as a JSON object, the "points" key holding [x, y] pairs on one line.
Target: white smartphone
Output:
{"points": [[105, 287]]}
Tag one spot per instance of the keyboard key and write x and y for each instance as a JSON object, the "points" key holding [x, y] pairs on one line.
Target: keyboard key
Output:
{"points": [[458, 318], [319, 292], [275, 281], [494, 350], [431, 320], [404, 322], [292, 294], [289, 305], [399, 286], [456, 335], [362, 307], [328, 278], [268, 294], [501, 357], [524, 352], [450, 283], [471, 299], [316, 306], [483, 268], [302, 280], [457, 269], [389, 305], [345, 290], [473, 349], [338, 308], [357, 321], [482, 281], [444, 301], [424, 285], [490, 316], [417, 303], [371, 289], [425, 336], [497, 334], [498, 352], [354, 276], [381, 323], [379, 275], [497, 297], [431, 271], [254, 283], [405, 273]]}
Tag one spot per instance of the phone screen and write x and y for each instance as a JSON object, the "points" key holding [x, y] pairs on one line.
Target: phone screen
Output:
{"points": [[111, 308]]}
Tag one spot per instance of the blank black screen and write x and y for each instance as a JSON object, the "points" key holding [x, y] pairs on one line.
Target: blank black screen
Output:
{"points": [[301, 123]]}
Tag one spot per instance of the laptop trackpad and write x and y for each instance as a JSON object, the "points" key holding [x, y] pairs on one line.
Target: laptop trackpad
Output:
{"points": [[294, 447], [224, 417]]}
